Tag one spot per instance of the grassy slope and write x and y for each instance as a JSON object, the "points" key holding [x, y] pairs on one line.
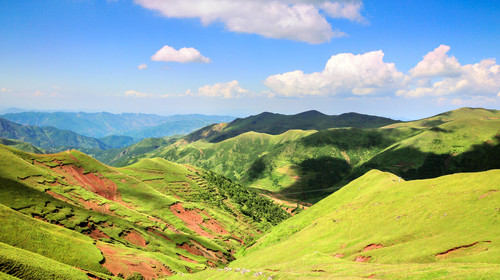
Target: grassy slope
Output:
{"points": [[414, 222], [20, 145], [292, 163], [274, 124], [61, 189]]}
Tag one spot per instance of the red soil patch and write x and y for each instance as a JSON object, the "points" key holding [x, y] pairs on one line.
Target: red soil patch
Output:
{"points": [[362, 259], [94, 206], [186, 258], [488, 193], [118, 261], [155, 232], [371, 276], [93, 182], [191, 249], [194, 221], [199, 250], [453, 250], [372, 247], [135, 238], [97, 234], [338, 256]]}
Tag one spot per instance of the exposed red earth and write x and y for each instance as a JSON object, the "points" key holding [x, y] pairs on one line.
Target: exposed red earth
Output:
{"points": [[120, 261]]}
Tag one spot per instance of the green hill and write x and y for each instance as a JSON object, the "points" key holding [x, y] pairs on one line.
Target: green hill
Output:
{"points": [[380, 226], [154, 218], [20, 145], [274, 124], [309, 165], [48, 138]]}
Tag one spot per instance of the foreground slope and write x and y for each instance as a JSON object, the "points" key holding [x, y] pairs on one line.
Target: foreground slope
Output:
{"points": [[380, 226], [151, 218]]}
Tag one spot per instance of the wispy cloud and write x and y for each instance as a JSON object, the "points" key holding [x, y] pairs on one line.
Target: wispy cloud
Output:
{"points": [[299, 20], [226, 90], [184, 55], [5, 90], [137, 94], [142, 66]]}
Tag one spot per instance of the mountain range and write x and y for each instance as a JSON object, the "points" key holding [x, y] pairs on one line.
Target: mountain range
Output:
{"points": [[265, 197]]}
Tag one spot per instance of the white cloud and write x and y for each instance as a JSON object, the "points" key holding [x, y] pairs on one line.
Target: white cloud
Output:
{"points": [[437, 63], [5, 90], [348, 10], [227, 90], [345, 73], [38, 93], [439, 74], [137, 94], [184, 55], [142, 66], [300, 20]]}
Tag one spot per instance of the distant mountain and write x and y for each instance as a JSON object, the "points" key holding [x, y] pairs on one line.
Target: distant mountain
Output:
{"points": [[127, 124], [309, 165], [49, 138], [277, 123]]}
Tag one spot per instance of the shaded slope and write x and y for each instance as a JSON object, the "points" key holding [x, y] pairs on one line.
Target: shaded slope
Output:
{"points": [[387, 228], [147, 218], [309, 165], [274, 124], [49, 138]]}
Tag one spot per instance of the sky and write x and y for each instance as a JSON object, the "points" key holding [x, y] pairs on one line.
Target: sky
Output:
{"points": [[400, 59]]}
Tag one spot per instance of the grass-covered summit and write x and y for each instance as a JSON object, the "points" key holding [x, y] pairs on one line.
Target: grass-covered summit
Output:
{"points": [[274, 124], [311, 164], [380, 226]]}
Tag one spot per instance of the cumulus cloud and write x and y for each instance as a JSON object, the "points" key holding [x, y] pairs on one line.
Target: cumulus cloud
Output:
{"points": [[137, 94], [300, 20], [184, 55], [439, 74], [142, 66], [226, 90], [345, 73]]}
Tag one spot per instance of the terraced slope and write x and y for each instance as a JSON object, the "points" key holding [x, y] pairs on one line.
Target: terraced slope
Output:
{"points": [[70, 210], [380, 226]]}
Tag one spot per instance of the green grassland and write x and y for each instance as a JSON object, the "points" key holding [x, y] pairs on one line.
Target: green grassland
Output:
{"points": [[77, 212], [441, 228], [309, 165]]}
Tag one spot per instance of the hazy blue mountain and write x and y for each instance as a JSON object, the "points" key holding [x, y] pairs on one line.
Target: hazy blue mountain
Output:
{"points": [[105, 124], [48, 138]]}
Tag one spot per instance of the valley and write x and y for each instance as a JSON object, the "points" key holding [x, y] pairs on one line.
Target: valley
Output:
{"points": [[377, 199]]}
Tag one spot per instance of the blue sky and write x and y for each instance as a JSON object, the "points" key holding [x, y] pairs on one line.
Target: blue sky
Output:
{"points": [[401, 59]]}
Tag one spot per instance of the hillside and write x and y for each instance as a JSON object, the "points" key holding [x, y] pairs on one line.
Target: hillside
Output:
{"points": [[380, 226], [49, 138], [103, 124], [154, 218], [274, 124], [309, 165]]}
